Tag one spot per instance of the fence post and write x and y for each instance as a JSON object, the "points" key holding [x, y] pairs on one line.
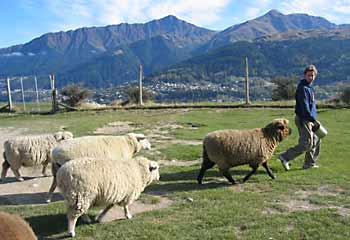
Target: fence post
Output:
{"points": [[140, 86], [22, 90], [9, 95], [247, 101], [54, 94], [37, 94]]}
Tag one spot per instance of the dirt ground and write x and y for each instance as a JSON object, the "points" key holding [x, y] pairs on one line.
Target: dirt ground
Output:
{"points": [[33, 190]]}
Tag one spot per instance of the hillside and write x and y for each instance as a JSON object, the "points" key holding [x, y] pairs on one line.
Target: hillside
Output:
{"points": [[266, 59]]}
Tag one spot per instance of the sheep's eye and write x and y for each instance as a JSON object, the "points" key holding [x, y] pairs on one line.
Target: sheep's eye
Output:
{"points": [[152, 168]]}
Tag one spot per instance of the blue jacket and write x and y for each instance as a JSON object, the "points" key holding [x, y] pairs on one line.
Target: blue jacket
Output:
{"points": [[305, 106]]}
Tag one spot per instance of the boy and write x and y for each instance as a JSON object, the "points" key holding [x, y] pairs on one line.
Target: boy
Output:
{"points": [[305, 119]]}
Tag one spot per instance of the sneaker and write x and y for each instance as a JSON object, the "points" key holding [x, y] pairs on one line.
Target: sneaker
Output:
{"points": [[284, 162], [310, 166]]}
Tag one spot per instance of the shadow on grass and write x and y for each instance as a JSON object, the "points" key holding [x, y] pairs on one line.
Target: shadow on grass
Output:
{"points": [[192, 174], [13, 179], [187, 181], [47, 225], [51, 226], [28, 198]]}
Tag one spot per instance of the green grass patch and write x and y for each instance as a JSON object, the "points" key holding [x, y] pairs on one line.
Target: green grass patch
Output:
{"points": [[218, 210], [182, 152]]}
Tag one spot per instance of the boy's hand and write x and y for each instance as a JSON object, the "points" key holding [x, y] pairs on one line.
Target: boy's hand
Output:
{"points": [[316, 126]]}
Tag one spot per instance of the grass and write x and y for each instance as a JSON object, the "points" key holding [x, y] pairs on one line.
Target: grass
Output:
{"points": [[218, 210], [182, 152]]}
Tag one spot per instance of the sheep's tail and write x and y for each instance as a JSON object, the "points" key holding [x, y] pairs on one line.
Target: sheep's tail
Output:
{"points": [[205, 155], [206, 164], [5, 166], [55, 167], [5, 159]]}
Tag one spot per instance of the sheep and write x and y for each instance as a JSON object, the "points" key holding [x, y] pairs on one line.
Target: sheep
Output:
{"points": [[87, 182], [230, 148], [13, 227], [114, 147], [30, 151]]}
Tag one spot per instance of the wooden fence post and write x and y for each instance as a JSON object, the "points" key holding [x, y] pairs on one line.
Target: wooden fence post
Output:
{"points": [[22, 91], [140, 86], [247, 101], [54, 94], [9, 95], [37, 94]]}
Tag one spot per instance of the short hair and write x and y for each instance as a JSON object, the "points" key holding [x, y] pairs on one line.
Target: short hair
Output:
{"points": [[310, 68]]}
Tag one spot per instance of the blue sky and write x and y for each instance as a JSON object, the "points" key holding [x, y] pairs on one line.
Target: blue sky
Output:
{"points": [[23, 20]]}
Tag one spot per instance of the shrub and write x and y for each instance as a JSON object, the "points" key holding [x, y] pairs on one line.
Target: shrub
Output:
{"points": [[345, 95], [73, 95], [285, 88], [132, 95]]}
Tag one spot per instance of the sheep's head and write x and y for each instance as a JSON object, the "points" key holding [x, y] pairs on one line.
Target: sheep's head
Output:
{"points": [[154, 170], [142, 142], [151, 169], [65, 135], [279, 129]]}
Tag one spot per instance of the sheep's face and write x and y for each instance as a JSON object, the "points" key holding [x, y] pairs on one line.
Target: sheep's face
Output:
{"points": [[279, 128], [59, 136], [143, 143], [154, 170], [150, 169]]}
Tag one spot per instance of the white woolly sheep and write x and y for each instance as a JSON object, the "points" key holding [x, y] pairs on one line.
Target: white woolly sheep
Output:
{"points": [[230, 148], [113, 147], [87, 182], [13, 227], [30, 151]]}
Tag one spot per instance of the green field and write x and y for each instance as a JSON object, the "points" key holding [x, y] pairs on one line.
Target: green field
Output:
{"points": [[299, 204]]}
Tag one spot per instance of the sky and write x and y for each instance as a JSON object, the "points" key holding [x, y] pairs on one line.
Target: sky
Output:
{"points": [[23, 20]]}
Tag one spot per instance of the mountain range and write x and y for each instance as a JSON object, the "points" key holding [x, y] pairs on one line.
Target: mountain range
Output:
{"points": [[100, 57]]}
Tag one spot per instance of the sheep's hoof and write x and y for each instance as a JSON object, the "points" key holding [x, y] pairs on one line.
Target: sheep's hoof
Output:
{"points": [[20, 179], [128, 216], [71, 234]]}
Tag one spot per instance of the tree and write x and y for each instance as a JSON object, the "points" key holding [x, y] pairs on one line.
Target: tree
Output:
{"points": [[132, 95], [345, 95], [285, 88], [74, 94]]}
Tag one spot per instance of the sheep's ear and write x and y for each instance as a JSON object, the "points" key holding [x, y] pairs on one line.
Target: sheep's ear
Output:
{"points": [[152, 168], [58, 136], [140, 136]]}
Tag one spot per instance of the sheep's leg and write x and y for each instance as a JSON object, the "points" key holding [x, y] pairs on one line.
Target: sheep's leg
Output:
{"points": [[103, 213], [44, 170], [72, 221], [54, 170], [250, 174], [228, 176], [86, 218], [127, 212], [207, 164], [268, 170], [5, 167], [52, 189], [17, 174]]}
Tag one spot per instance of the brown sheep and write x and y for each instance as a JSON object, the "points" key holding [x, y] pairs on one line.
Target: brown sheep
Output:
{"points": [[13, 227], [230, 148]]}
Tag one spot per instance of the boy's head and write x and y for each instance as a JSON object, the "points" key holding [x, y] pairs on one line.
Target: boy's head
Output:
{"points": [[310, 73]]}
